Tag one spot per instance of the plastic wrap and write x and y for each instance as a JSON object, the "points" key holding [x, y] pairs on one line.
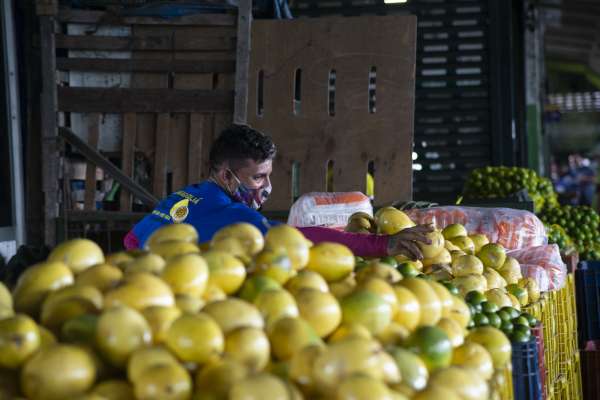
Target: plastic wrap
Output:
{"points": [[513, 229], [538, 274], [329, 209], [546, 257]]}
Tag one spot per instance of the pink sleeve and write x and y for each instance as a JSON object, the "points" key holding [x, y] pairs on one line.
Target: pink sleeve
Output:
{"points": [[363, 245], [131, 241]]}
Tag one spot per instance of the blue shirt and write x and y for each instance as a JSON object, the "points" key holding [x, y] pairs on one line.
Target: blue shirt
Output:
{"points": [[205, 206]]}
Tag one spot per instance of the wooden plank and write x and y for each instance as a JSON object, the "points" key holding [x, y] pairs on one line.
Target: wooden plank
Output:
{"points": [[106, 18], [163, 127], [128, 156], [90, 171], [242, 61], [136, 65], [178, 151], [200, 124], [50, 157], [111, 100], [46, 7], [153, 43]]}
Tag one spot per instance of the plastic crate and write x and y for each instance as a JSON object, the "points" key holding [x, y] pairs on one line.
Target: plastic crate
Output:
{"points": [[590, 371], [538, 333], [588, 300], [527, 383]]}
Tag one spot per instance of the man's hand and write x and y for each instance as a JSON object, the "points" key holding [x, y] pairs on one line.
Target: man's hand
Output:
{"points": [[404, 242]]}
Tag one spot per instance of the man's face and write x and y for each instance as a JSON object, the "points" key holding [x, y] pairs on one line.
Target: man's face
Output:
{"points": [[254, 175]]}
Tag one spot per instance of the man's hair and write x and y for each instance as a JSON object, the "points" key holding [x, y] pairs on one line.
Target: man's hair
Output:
{"points": [[239, 143]]}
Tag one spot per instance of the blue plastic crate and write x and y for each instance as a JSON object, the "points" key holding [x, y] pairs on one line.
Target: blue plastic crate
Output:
{"points": [[527, 382], [587, 287]]}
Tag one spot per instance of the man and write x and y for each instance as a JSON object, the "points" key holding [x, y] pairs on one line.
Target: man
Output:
{"points": [[241, 161]]}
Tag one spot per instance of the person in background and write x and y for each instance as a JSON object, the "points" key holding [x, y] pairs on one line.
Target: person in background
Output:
{"points": [[241, 162]]}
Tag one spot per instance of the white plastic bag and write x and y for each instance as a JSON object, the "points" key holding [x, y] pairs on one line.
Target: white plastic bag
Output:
{"points": [[329, 209], [546, 257]]}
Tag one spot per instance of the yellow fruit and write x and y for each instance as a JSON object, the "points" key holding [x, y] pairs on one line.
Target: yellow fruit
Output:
{"points": [[216, 379], [58, 372], [102, 276], [226, 271], [383, 289], [451, 247], [454, 230], [474, 357], [5, 297], [6, 312], [446, 298], [249, 346], [190, 304], [70, 302], [119, 259], [301, 367], [211, 294], [430, 304], [77, 254], [470, 282], [390, 220], [466, 385], [306, 280], [186, 274], [459, 312], [195, 338], [464, 243], [515, 303], [274, 263], [274, 304], [254, 285], [114, 390], [232, 246], [288, 335], [379, 270], [234, 313], [412, 369], [36, 282], [360, 387], [19, 339], [454, 331], [345, 358], [533, 290], [368, 309], [408, 312], [492, 255], [146, 357], [166, 250], [139, 291], [332, 261], [292, 241], [465, 265], [160, 319], [436, 393], [172, 233], [511, 270], [320, 309], [119, 332], [349, 331], [149, 262], [163, 382], [393, 335], [259, 387], [436, 246], [494, 279], [494, 341], [499, 297], [479, 240], [248, 235], [442, 258], [343, 288], [47, 338]]}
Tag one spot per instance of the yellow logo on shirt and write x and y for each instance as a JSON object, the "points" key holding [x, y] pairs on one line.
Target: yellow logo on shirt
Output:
{"points": [[180, 211]]}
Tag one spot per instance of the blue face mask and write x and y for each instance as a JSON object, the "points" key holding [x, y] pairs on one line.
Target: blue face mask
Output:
{"points": [[253, 198]]}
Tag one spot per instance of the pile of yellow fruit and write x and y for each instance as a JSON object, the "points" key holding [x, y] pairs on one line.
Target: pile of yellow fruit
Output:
{"points": [[245, 318]]}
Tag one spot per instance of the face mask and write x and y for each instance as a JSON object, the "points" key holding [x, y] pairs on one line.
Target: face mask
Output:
{"points": [[253, 198]]}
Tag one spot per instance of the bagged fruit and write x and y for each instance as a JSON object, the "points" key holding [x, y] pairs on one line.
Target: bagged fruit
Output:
{"points": [[330, 209], [513, 229], [546, 257], [538, 274]]}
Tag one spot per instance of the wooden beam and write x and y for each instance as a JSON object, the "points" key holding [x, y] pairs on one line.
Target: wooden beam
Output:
{"points": [[163, 128], [106, 18], [46, 7], [137, 65], [240, 113], [151, 43], [99, 160], [90, 171], [71, 99], [128, 155], [50, 160]]}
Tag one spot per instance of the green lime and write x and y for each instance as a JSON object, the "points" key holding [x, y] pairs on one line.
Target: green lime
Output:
{"points": [[474, 297], [531, 319], [471, 324], [513, 312], [520, 321], [504, 315], [519, 337], [452, 288], [494, 319], [524, 329], [507, 327], [481, 320], [432, 345], [472, 309], [489, 307], [407, 270], [358, 259], [389, 260], [360, 265]]}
